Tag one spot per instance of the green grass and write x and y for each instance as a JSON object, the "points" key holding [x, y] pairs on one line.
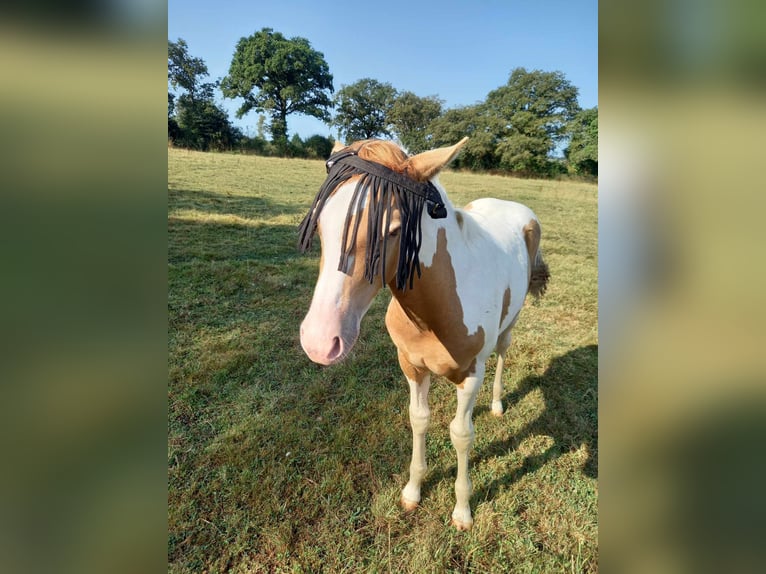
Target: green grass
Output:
{"points": [[278, 465]]}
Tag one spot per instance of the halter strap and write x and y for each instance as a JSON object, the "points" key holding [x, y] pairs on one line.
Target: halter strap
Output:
{"points": [[426, 190]]}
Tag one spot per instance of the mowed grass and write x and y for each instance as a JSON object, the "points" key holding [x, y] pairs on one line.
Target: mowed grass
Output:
{"points": [[278, 465]]}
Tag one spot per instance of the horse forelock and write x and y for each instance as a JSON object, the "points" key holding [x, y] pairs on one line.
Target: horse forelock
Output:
{"points": [[374, 199], [383, 152]]}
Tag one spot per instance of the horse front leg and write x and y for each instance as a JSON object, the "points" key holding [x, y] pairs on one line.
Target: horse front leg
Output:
{"points": [[462, 434], [419, 381]]}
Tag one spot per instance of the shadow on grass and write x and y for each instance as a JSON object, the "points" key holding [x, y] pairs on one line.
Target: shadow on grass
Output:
{"points": [[250, 206], [570, 390], [230, 228]]}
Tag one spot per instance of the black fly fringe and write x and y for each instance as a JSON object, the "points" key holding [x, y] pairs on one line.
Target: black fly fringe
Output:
{"points": [[380, 192], [308, 226]]}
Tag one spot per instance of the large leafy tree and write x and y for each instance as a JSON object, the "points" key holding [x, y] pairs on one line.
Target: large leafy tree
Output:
{"points": [[410, 117], [471, 121], [279, 76], [194, 119], [205, 125], [318, 146], [362, 109], [186, 72], [529, 116], [516, 128], [582, 153]]}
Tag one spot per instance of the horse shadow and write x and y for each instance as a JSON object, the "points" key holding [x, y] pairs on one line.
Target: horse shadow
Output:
{"points": [[570, 390]]}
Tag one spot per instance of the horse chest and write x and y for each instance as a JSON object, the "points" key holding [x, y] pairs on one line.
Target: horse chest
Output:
{"points": [[446, 350]]}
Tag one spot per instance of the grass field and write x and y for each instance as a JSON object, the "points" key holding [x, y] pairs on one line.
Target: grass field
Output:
{"points": [[278, 465]]}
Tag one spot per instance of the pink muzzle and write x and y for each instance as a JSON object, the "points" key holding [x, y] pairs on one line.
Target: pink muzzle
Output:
{"points": [[328, 336]]}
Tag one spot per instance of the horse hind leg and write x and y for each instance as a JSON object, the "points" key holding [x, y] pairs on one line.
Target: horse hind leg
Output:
{"points": [[503, 342]]}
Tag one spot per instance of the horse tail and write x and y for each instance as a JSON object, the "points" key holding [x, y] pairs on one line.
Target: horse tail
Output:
{"points": [[538, 268], [538, 279]]}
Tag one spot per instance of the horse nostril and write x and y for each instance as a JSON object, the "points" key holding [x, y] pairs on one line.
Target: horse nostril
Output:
{"points": [[336, 349]]}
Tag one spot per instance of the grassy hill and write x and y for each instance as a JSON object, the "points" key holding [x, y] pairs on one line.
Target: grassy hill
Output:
{"points": [[278, 465]]}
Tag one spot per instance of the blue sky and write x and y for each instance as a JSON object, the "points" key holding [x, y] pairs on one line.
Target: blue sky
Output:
{"points": [[457, 50]]}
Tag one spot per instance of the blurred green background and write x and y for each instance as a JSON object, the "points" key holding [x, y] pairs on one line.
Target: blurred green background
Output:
{"points": [[682, 400]]}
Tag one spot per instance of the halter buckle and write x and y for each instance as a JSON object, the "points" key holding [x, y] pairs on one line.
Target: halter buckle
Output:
{"points": [[436, 210]]}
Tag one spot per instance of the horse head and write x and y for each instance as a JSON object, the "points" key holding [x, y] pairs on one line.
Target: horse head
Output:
{"points": [[368, 214]]}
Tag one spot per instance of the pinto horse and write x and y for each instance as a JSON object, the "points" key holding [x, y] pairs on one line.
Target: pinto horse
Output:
{"points": [[459, 278]]}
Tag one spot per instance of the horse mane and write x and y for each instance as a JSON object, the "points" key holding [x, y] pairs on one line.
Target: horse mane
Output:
{"points": [[381, 195]]}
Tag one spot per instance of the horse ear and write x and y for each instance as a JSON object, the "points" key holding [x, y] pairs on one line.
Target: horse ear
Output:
{"points": [[427, 164], [337, 147]]}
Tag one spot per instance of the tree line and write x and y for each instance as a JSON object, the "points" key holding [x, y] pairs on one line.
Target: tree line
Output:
{"points": [[517, 128]]}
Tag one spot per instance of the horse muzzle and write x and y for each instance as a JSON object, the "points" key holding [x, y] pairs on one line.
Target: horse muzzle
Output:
{"points": [[327, 340]]}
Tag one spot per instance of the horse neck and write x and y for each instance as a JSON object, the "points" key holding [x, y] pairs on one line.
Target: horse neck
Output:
{"points": [[432, 295]]}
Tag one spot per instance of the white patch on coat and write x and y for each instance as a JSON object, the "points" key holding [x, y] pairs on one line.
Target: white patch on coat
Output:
{"points": [[489, 255], [329, 285]]}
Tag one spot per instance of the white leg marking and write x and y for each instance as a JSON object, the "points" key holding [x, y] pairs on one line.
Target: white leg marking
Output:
{"points": [[462, 434], [419, 416], [503, 342], [497, 388]]}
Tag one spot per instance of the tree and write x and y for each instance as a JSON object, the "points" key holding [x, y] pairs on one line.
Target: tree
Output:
{"points": [[261, 125], [174, 132], [204, 125], [529, 116], [363, 108], [582, 153], [186, 72], [194, 119], [296, 147], [410, 117], [280, 76], [472, 121], [516, 128], [318, 147]]}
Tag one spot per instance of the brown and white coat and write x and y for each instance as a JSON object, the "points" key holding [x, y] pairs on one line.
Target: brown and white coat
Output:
{"points": [[477, 266]]}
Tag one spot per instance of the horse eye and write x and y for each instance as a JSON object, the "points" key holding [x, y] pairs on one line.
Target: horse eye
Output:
{"points": [[394, 232]]}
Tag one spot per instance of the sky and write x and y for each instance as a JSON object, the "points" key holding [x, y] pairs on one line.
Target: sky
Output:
{"points": [[456, 50]]}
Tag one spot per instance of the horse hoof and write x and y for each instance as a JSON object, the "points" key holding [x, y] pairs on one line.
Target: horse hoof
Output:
{"points": [[408, 505], [498, 414], [462, 526]]}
